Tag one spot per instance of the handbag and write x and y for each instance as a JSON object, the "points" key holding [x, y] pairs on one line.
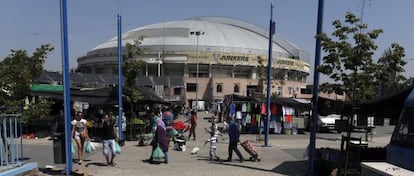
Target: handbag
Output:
{"points": [[158, 154], [84, 135]]}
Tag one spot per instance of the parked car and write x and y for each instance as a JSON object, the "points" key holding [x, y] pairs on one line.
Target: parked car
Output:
{"points": [[324, 122]]}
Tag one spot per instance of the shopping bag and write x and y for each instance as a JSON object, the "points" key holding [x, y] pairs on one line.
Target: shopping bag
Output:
{"points": [[174, 132], [94, 145], [73, 147], [118, 149], [88, 147], [158, 154]]}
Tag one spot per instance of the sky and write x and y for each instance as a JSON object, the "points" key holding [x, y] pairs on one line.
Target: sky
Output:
{"points": [[27, 24]]}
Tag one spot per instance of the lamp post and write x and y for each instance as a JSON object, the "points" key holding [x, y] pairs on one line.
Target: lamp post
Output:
{"points": [[197, 34]]}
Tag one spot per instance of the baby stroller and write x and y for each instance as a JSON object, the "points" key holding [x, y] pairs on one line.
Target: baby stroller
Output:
{"points": [[179, 143], [181, 127], [248, 146]]}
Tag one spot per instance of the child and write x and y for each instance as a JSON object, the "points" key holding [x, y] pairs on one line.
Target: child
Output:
{"points": [[213, 143]]}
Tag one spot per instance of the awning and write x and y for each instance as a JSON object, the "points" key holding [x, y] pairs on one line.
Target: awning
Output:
{"points": [[93, 96], [46, 87]]}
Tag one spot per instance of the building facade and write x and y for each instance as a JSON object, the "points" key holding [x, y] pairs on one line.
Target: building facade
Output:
{"points": [[220, 55]]}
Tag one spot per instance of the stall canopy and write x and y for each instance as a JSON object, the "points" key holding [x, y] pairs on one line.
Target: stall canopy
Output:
{"points": [[240, 98], [291, 102], [328, 106], [106, 95], [388, 107], [91, 95]]}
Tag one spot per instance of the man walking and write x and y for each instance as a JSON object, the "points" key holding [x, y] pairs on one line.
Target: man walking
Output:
{"points": [[234, 134], [109, 135]]}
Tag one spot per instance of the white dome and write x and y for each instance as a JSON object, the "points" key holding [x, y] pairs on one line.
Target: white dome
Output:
{"points": [[223, 34]]}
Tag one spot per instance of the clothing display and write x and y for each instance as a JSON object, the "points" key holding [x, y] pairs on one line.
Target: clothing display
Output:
{"points": [[251, 115]]}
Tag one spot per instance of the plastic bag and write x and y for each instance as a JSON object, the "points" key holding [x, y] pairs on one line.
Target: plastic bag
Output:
{"points": [[118, 149], [158, 154], [73, 147], [174, 132], [88, 147], [94, 145]]}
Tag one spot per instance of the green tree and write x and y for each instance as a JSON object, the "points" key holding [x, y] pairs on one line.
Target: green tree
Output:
{"points": [[131, 68], [261, 69], [18, 72], [390, 69], [348, 60]]}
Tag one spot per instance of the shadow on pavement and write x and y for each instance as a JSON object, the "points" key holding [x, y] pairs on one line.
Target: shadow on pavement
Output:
{"points": [[292, 168], [242, 166], [96, 164], [286, 168]]}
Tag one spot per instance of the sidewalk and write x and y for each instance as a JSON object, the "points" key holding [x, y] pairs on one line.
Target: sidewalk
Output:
{"points": [[274, 161]]}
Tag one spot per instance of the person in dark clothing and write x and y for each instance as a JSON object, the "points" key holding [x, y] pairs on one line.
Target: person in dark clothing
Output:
{"points": [[109, 135], [233, 140], [160, 139]]}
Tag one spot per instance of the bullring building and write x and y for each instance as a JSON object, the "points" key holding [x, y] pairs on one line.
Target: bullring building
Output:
{"points": [[228, 55]]}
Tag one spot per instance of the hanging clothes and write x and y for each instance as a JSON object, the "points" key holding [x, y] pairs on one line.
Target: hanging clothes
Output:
{"points": [[263, 109], [238, 115], [273, 109], [248, 118], [249, 107], [244, 107], [232, 108]]}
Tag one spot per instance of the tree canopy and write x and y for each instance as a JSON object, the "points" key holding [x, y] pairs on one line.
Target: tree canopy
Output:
{"points": [[131, 68], [18, 72], [348, 60]]}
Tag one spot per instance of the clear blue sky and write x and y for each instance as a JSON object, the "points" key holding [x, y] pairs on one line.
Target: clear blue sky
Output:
{"points": [[26, 24]]}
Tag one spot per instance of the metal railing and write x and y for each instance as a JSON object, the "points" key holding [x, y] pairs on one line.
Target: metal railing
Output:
{"points": [[11, 143]]}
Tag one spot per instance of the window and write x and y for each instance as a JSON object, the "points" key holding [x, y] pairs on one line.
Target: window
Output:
{"points": [[191, 87], [219, 88], [177, 91], [236, 88], [404, 131], [279, 90]]}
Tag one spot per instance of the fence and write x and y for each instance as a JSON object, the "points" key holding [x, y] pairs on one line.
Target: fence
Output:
{"points": [[11, 143]]}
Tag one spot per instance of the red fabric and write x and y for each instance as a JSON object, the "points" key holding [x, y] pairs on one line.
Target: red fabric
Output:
{"points": [[193, 120], [248, 146], [180, 126], [263, 109], [288, 118], [273, 109]]}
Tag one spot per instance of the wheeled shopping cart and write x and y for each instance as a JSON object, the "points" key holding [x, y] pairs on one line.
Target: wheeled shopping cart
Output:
{"points": [[248, 146]]}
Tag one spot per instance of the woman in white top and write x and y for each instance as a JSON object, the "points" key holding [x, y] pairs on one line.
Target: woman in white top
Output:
{"points": [[79, 133]]}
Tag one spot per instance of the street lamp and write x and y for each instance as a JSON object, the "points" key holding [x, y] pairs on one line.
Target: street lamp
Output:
{"points": [[197, 34]]}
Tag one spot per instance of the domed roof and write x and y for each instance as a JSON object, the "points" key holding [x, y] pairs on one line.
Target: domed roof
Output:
{"points": [[218, 32]]}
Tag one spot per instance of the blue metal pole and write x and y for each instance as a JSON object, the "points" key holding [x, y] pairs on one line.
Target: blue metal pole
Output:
{"points": [[315, 93], [66, 84], [121, 137], [269, 78]]}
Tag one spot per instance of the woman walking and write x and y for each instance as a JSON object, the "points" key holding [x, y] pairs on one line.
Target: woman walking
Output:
{"points": [[79, 133], [160, 140]]}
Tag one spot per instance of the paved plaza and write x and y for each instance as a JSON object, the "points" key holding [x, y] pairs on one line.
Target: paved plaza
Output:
{"points": [[285, 155]]}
